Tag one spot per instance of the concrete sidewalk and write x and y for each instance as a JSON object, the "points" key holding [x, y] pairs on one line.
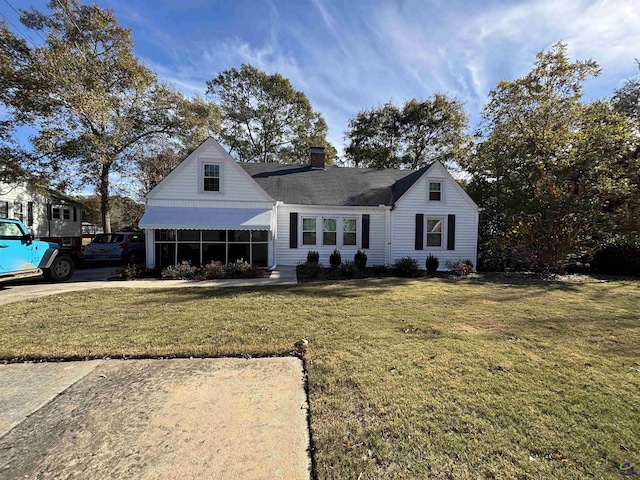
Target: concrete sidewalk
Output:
{"points": [[180, 418], [14, 293]]}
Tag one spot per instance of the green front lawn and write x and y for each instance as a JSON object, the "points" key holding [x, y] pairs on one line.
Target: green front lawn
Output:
{"points": [[408, 378]]}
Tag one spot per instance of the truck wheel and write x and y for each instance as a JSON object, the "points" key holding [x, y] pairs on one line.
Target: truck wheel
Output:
{"points": [[61, 269]]}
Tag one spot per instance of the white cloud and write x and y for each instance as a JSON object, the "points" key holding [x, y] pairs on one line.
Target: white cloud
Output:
{"points": [[346, 58], [606, 31]]}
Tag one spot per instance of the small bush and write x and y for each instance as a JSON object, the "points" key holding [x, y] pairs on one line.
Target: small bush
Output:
{"points": [[309, 271], [239, 268], [132, 271], [335, 259], [182, 271], [313, 257], [460, 267], [360, 259], [406, 267], [213, 270], [619, 257], [432, 263], [349, 270], [379, 270]]}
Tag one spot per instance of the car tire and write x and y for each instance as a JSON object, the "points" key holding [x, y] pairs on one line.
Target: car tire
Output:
{"points": [[61, 269]]}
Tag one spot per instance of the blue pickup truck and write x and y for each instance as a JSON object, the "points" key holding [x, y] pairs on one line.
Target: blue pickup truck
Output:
{"points": [[22, 256]]}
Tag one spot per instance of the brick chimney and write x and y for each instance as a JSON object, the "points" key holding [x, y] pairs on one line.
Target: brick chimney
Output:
{"points": [[316, 157]]}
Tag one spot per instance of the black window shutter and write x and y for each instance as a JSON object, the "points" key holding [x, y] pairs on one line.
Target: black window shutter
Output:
{"points": [[451, 232], [293, 230], [366, 220], [419, 231], [75, 214], [5, 210], [30, 214], [49, 211]]}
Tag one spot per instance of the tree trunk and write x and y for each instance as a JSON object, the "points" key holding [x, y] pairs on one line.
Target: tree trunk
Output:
{"points": [[104, 199]]}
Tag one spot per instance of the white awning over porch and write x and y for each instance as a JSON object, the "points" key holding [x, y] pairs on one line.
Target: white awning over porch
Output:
{"points": [[181, 218]]}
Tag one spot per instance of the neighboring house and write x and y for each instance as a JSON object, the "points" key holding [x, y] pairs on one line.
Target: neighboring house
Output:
{"points": [[212, 208], [49, 216]]}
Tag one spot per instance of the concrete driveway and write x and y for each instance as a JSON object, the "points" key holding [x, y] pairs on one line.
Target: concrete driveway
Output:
{"points": [[86, 279], [161, 419], [82, 279]]}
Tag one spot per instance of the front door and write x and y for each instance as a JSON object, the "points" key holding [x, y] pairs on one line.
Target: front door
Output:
{"points": [[15, 252]]}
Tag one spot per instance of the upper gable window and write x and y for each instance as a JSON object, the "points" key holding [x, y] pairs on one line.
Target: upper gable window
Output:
{"points": [[211, 177], [435, 191]]}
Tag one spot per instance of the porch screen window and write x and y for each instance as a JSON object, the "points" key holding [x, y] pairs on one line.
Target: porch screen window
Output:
{"points": [[434, 232], [204, 246], [329, 228], [308, 231], [349, 226], [211, 177]]}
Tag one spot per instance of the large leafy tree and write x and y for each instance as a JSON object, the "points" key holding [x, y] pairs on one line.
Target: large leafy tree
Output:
{"points": [[626, 100], [374, 137], [419, 133], [264, 119], [546, 165], [92, 103], [125, 211]]}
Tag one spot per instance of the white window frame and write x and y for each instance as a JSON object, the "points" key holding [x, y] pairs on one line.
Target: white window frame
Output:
{"points": [[441, 182], [426, 233], [319, 218], [66, 213], [355, 245], [220, 177], [337, 220], [56, 213], [302, 230]]}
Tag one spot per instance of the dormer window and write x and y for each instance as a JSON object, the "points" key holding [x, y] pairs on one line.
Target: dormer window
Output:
{"points": [[435, 191], [211, 177]]}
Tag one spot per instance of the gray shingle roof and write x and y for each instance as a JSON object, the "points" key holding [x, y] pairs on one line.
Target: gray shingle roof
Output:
{"points": [[302, 185]]}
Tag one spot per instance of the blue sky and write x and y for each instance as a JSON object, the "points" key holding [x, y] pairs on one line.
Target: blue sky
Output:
{"points": [[347, 56]]}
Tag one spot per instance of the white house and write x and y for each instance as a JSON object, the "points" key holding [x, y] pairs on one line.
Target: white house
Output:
{"points": [[211, 207], [48, 215]]}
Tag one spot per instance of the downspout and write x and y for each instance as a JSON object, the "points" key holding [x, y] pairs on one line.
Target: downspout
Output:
{"points": [[477, 237], [387, 234], [273, 235]]}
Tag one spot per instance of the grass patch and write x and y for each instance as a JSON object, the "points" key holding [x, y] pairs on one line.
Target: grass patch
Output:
{"points": [[425, 378]]}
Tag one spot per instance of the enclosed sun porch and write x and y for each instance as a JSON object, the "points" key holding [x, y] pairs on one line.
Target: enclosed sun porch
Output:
{"points": [[203, 235]]}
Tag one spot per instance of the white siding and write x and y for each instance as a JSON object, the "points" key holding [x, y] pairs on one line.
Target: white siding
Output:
{"points": [[185, 182], [293, 256], [42, 227], [454, 202], [161, 202]]}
